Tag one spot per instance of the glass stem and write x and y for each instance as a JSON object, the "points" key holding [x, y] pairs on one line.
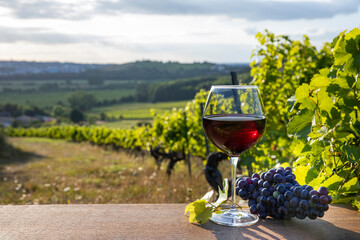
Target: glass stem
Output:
{"points": [[233, 162]]}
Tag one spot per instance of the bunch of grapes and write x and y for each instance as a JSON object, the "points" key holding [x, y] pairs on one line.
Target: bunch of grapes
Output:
{"points": [[276, 193]]}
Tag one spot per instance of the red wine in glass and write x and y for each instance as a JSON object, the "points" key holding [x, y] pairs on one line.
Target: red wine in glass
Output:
{"points": [[234, 133]]}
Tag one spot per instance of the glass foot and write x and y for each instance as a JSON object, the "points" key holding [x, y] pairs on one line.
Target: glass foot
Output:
{"points": [[233, 218]]}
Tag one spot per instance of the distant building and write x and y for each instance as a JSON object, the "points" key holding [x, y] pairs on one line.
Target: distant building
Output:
{"points": [[5, 119]]}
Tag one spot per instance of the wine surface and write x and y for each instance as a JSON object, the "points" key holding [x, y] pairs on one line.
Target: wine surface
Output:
{"points": [[234, 134]]}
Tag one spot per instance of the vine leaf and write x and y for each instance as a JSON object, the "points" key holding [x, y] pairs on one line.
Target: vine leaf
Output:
{"points": [[300, 124]]}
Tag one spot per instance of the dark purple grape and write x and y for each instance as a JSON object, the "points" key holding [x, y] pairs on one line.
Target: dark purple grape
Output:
{"points": [[271, 201], [289, 178], [288, 185], [261, 208], [325, 207], [251, 188], [280, 168], [287, 172], [288, 195], [260, 183], [313, 213], [295, 183], [282, 210], [255, 175], [243, 194], [253, 209], [329, 199], [256, 194], [255, 181], [278, 178], [262, 215], [304, 204], [272, 171], [243, 184], [281, 199], [248, 180], [300, 216], [297, 191], [303, 186], [309, 188], [288, 169], [321, 214], [262, 200], [323, 199], [323, 191], [294, 202], [315, 198], [238, 180], [287, 204], [313, 192], [280, 171], [318, 207], [304, 194], [281, 189], [267, 184], [237, 189], [265, 192], [311, 203], [262, 176], [269, 177]]}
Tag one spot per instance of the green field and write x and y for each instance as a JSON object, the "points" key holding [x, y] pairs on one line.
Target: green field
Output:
{"points": [[137, 110], [48, 99], [45, 171], [124, 124]]}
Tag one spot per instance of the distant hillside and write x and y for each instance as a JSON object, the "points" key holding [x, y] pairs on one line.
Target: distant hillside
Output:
{"points": [[140, 70], [182, 89]]}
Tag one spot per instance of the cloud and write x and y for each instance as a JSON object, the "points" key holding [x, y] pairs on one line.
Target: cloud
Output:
{"points": [[254, 10], [44, 36], [76, 10]]}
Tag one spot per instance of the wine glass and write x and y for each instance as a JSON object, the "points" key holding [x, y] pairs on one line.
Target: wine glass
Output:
{"points": [[234, 121]]}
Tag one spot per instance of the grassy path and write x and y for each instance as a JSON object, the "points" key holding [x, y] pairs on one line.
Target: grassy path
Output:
{"points": [[44, 171]]}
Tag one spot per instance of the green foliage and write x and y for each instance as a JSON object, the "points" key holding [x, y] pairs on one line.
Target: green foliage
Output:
{"points": [[201, 210], [82, 100], [279, 66], [329, 107], [76, 115]]}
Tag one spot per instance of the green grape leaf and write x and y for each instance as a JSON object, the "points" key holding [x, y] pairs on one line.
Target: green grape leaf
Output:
{"points": [[325, 101], [312, 174], [351, 186], [340, 199], [319, 81], [347, 51], [201, 210], [317, 182], [301, 173], [300, 125], [199, 213], [352, 152], [302, 92], [333, 182]]}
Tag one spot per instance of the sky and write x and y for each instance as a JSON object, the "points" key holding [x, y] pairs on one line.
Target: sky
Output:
{"points": [[120, 31]]}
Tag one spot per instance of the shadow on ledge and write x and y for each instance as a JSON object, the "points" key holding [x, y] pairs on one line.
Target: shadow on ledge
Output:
{"points": [[283, 229]]}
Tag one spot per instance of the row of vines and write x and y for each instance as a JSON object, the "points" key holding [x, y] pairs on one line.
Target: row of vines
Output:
{"points": [[312, 103]]}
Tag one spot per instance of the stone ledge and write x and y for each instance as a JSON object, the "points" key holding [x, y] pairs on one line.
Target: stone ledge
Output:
{"points": [[160, 221]]}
